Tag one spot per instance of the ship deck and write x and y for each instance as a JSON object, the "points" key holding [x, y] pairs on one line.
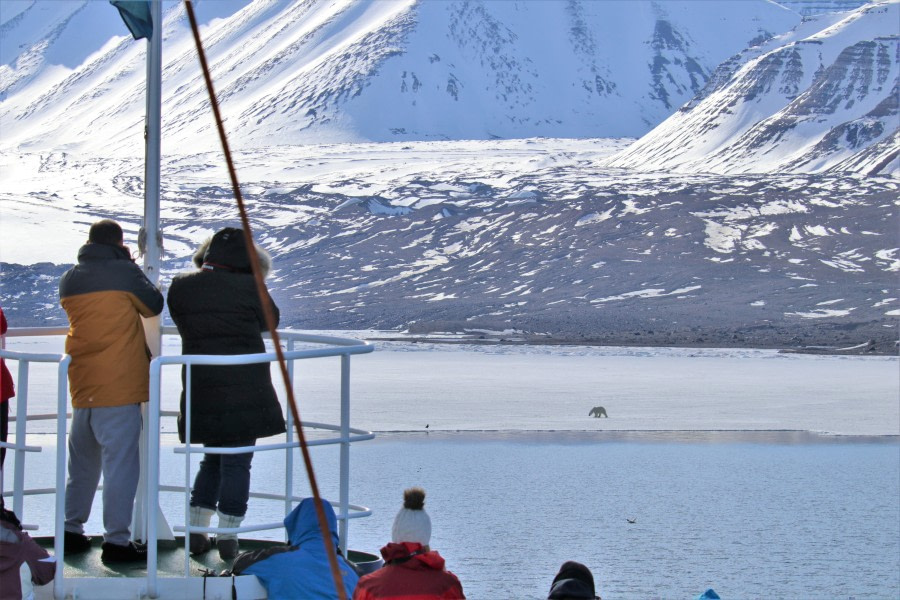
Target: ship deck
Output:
{"points": [[83, 573]]}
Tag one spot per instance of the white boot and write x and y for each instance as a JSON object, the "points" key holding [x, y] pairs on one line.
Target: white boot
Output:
{"points": [[227, 543], [200, 517]]}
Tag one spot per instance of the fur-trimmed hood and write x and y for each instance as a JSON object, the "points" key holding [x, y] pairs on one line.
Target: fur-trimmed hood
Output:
{"points": [[227, 248]]}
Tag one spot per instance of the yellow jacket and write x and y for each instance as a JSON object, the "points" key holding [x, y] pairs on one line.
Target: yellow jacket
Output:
{"points": [[104, 296]]}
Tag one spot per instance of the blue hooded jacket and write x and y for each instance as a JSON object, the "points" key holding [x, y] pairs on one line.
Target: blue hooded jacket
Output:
{"points": [[301, 571]]}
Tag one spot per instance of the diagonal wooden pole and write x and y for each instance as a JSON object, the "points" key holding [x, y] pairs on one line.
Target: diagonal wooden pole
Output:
{"points": [[267, 311]]}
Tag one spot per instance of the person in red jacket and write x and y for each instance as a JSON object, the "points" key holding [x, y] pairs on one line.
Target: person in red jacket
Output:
{"points": [[7, 391], [412, 570]]}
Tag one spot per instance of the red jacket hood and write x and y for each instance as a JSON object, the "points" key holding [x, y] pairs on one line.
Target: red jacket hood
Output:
{"points": [[409, 576], [398, 551]]}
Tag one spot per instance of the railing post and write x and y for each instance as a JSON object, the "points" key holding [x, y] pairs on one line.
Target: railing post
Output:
{"points": [[289, 438], [152, 504], [188, 367], [62, 383], [345, 453], [21, 419]]}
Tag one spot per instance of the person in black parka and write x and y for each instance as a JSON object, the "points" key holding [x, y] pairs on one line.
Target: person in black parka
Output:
{"points": [[217, 311]]}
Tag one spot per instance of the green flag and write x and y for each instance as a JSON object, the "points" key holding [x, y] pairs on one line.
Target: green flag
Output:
{"points": [[136, 14]]}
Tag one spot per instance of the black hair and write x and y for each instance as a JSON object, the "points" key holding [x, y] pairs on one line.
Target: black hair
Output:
{"points": [[573, 582], [106, 232]]}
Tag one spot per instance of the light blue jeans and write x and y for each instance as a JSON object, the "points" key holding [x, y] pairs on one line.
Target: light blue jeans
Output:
{"points": [[104, 440]]}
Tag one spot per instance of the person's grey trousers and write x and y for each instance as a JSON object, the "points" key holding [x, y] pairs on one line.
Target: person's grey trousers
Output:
{"points": [[104, 439]]}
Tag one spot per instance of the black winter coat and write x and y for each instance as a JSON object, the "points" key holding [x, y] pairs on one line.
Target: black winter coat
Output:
{"points": [[217, 311]]}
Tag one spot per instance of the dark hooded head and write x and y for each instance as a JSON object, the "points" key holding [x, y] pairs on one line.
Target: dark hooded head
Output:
{"points": [[573, 582], [227, 250]]}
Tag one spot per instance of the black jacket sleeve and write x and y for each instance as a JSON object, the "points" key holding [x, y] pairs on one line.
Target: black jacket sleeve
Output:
{"points": [[246, 559]]}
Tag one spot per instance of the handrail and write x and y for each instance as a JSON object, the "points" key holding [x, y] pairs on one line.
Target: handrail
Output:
{"points": [[336, 347], [35, 331], [341, 347], [19, 492]]}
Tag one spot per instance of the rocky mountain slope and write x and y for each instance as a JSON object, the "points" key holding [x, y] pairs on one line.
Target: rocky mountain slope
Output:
{"points": [[822, 98], [522, 236]]}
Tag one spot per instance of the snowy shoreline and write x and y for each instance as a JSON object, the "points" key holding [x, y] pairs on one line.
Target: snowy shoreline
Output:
{"points": [[784, 437], [616, 340], [664, 436], [505, 388]]}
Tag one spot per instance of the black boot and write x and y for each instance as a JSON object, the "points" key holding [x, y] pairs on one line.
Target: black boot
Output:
{"points": [[130, 553], [76, 543]]}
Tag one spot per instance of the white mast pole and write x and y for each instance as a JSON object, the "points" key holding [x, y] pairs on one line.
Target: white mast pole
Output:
{"points": [[152, 250], [152, 132]]}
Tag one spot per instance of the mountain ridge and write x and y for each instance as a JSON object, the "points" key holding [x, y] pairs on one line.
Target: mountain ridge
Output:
{"points": [[806, 101], [357, 71]]}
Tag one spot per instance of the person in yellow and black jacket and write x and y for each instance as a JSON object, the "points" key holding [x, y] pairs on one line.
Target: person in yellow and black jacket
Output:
{"points": [[104, 297]]}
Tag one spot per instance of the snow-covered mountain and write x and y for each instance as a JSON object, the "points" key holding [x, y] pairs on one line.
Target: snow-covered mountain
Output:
{"points": [[808, 8], [358, 70], [823, 97], [530, 234]]}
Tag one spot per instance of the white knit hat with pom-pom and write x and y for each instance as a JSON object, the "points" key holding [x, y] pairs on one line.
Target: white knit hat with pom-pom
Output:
{"points": [[412, 523]]}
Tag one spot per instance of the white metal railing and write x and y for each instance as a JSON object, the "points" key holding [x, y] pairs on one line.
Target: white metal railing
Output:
{"points": [[19, 447], [326, 346], [22, 384]]}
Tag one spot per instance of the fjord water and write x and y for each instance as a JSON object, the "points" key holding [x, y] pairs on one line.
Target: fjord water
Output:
{"points": [[706, 450], [755, 516]]}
